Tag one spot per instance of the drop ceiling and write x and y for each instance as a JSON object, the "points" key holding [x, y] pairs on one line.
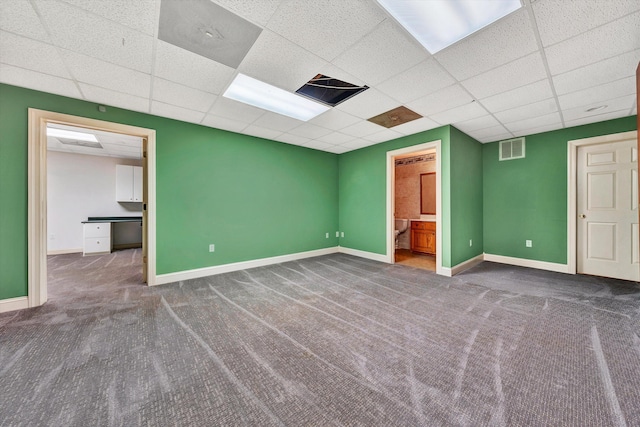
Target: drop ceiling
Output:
{"points": [[538, 69], [109, 144]]}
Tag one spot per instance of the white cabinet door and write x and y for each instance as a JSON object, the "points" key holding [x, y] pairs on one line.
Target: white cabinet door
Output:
{"points": [[128, 183]]}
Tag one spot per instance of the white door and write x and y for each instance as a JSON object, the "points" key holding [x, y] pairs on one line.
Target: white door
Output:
{"points": [[608, 210]]}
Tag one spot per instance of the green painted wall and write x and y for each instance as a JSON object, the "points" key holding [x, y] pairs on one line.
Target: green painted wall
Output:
{"points": [[466, 197], [251, 197], [527, 198], [363, 186]]}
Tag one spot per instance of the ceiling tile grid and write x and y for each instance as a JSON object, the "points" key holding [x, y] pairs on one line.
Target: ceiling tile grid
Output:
{"points": [[537, 69]]}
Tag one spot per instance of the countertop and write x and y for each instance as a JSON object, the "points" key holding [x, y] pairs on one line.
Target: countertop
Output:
{"points": [[112, 219]]}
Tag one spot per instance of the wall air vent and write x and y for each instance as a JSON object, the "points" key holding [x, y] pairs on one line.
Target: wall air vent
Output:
{"points": [[511, 149], [89, 144]]}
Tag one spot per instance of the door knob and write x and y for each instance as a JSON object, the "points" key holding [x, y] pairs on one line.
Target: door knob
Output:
{"points": [[582, 216]]}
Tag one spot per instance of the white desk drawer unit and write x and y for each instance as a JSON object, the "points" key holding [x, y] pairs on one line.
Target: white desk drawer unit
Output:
{"points": [[97, 238]]}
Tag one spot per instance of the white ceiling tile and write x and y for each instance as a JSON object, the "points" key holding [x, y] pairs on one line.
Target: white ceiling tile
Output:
{"points": [[18, 17], [462, 113], [182, 96], [334, 119], [259, 12], [604, 42], [530, 93], [190, 69], [113, 98], [597, 74], [224, 123], [594, 95], [383, 135], [329, 69], [318, 145], [421, 80], [387, 41], [415, 126], [104, 74], [535, 109], [554, 25], [337, 149], [494, 138], [492, 133], [84, 32], [368, 104], [31, 54], [539, 129], [309, 130], [30, 79], [280, 62], [340, 24], [552, 119], [261, 132], [616, 104], [597, 118], [139, 14], [225, 107], [336, 138], [292, 139], [361, 129], [508, 39], [506, 77], [476, 124], [358, 143], [442, 100], [275, 121], [177, 113]]}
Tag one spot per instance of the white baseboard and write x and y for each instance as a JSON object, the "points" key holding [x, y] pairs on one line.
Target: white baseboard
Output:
{"points": [[459, 268], [162, 279], [11, 304], [64, 251], [522, 262], [363, 254]]}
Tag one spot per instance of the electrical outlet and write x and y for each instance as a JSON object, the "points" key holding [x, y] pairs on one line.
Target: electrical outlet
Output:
{"points": [[52, 237], [528, 243], [342, 234], [470, 242], [212, 247], [337, 234], [327, 235]]}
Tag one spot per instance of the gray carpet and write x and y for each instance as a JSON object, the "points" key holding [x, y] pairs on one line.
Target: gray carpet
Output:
{"points": [[332, 340]]}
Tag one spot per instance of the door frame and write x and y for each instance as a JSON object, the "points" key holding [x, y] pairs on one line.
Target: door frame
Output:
{"points": [[437, 145], [572, 189], [37, 193]]}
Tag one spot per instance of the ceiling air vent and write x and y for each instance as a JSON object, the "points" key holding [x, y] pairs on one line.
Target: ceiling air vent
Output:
{"points": [[512, 149]]}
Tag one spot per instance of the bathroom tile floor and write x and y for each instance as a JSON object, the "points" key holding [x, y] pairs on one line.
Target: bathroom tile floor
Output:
{"points": [[411, 259]]}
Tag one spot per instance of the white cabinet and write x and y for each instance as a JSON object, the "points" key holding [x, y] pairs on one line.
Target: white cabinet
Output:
{"points": [[128, 183], [97, 238]]}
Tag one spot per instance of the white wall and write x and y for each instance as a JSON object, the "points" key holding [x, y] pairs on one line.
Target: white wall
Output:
{"points": [[80, 186]]}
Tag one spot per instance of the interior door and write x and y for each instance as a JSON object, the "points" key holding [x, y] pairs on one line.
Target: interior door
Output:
{"points": [[145, 211], [608, 210]]}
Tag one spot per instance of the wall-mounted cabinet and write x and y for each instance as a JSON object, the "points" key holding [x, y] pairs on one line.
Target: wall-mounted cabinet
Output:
{"points": [[128, 183]]}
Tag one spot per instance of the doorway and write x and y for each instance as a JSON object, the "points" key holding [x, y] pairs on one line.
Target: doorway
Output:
{"points": [[426, 228], [39, 120], [603, 206]]}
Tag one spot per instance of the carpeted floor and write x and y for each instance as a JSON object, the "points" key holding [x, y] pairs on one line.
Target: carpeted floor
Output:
{"points": [[332, 340]]}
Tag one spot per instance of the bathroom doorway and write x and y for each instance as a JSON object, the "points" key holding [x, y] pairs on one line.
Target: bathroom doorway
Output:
{"points": [[413, 207]]}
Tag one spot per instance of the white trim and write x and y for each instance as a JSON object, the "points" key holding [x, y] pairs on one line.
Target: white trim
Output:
{"points": [[522, 262], [572, 184], [363, 254], [37, 194], [197, 273], [465, 265], [437, 144], [11, 304], [65, 251]]}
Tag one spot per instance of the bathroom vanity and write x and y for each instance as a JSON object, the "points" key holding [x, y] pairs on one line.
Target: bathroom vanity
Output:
{"points": [[423, 237]]}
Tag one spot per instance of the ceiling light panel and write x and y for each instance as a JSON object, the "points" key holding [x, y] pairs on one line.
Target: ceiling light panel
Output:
{"points": [[71, 135], [250, 91], [437, 24], [207, 29]]}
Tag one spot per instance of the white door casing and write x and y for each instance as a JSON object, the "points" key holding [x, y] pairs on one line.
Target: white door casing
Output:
{"points": [[607, 210]]}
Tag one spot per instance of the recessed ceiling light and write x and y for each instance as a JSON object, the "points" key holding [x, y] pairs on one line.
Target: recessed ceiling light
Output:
{"points": [[69, 134], [598, 108], [263, 95], [437, 24]]}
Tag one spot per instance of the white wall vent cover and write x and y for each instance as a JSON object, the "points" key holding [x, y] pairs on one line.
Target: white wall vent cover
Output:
{"points": [[512, 149]]}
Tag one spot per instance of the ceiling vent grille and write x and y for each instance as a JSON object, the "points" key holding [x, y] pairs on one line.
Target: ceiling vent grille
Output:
{"points": [[512, 149]]}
